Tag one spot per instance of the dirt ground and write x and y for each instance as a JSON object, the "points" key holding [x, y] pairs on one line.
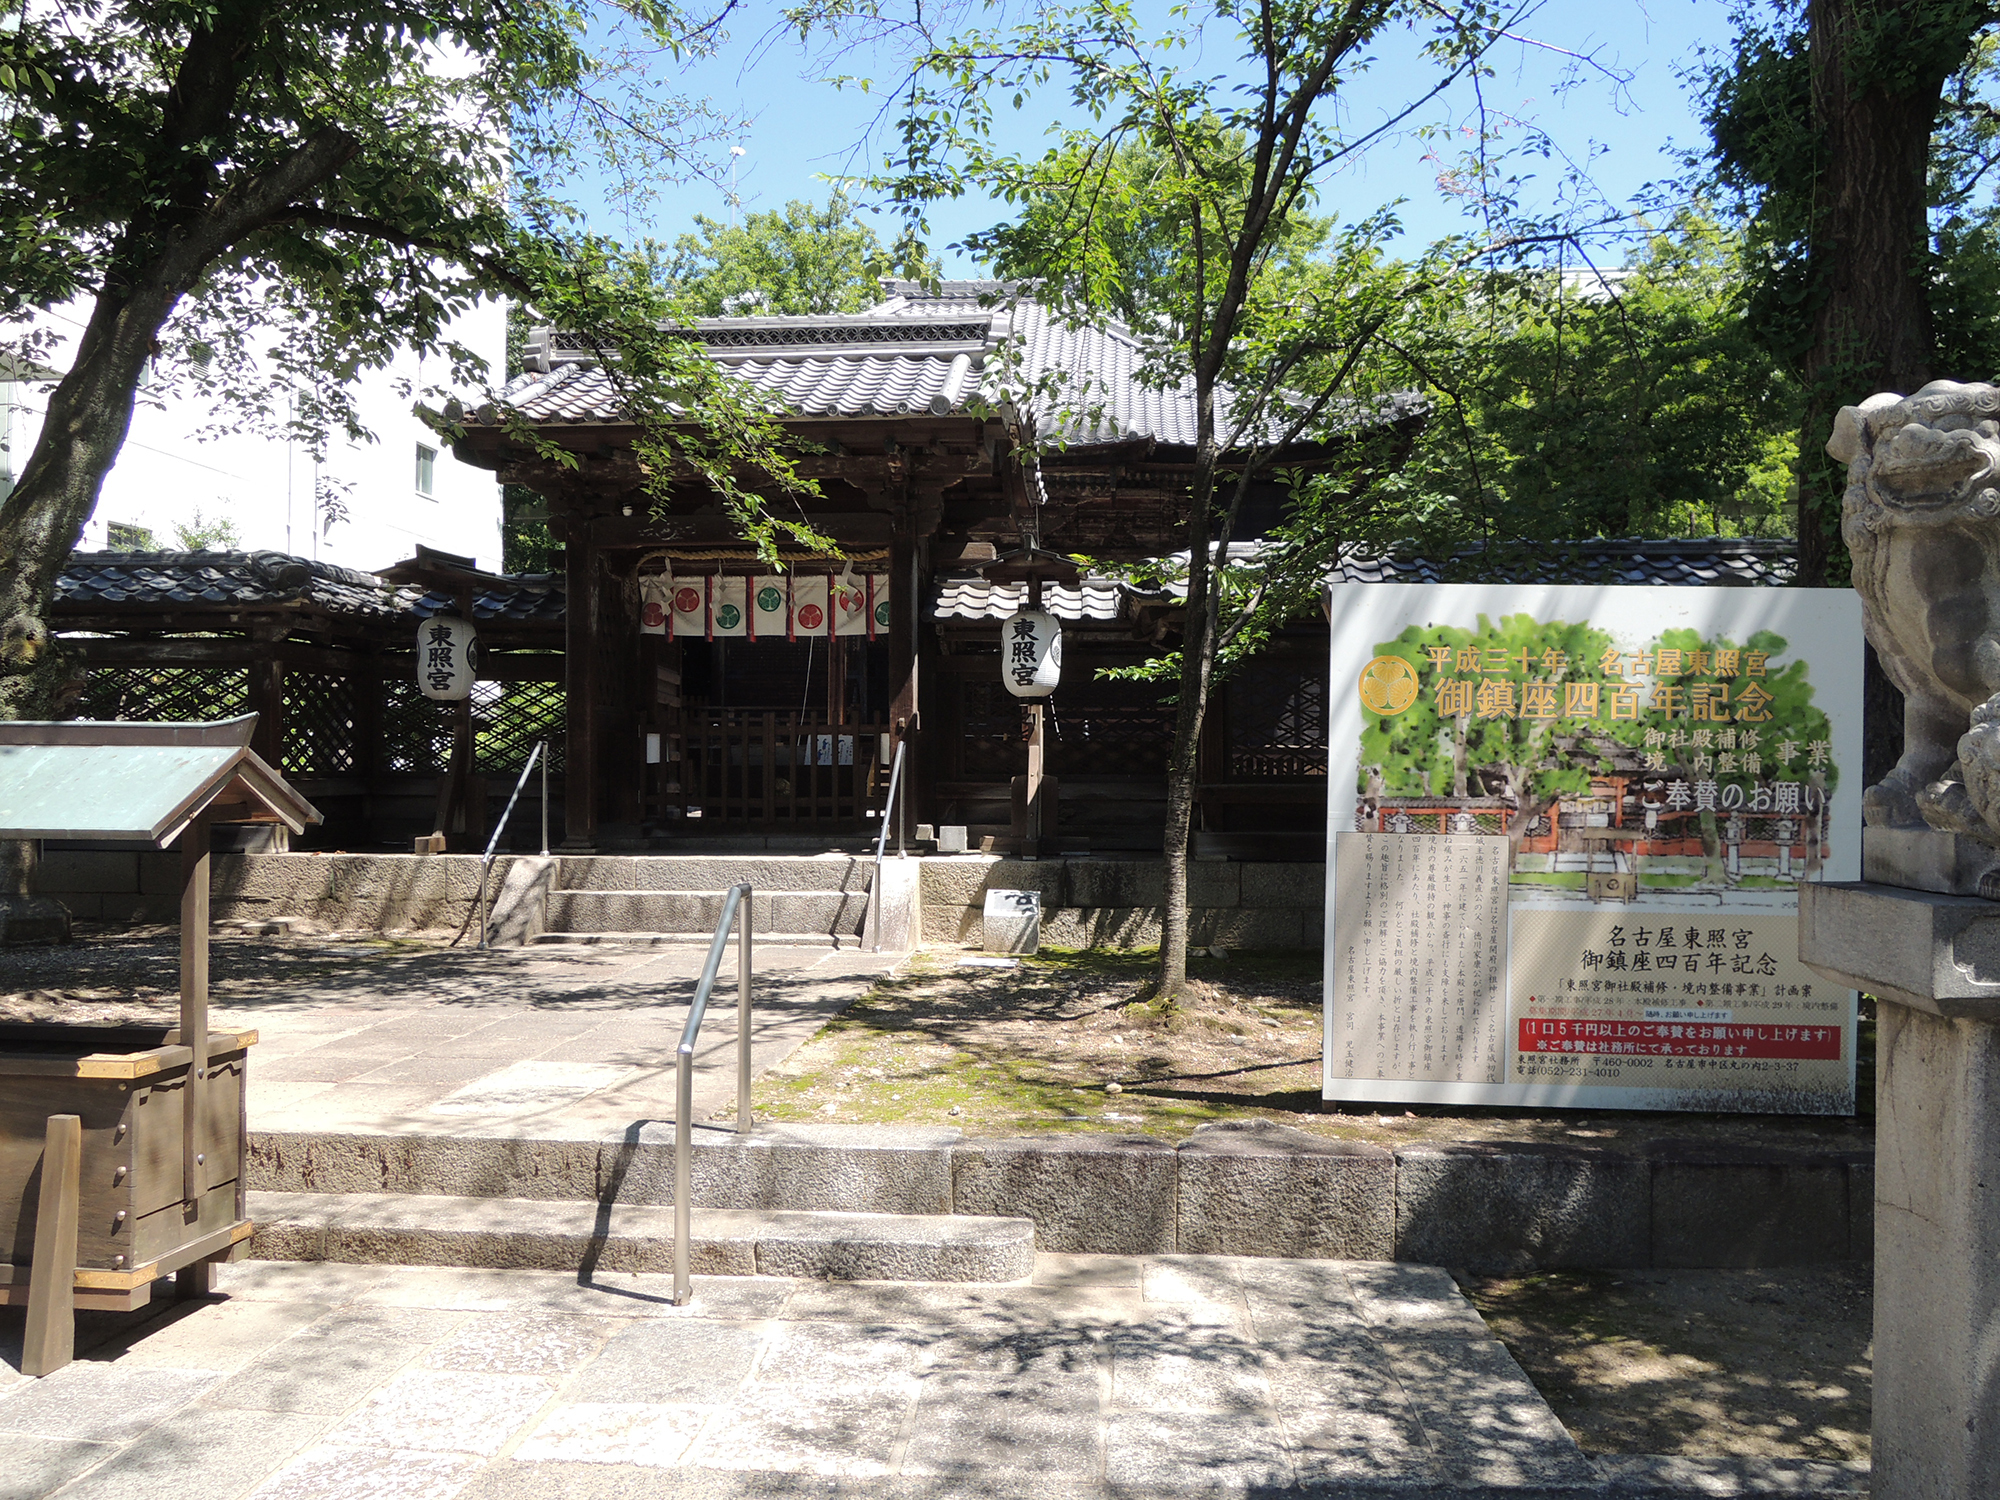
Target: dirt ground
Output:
{"points": [[131, 975], [1067, 1041], [1767, 1364]]}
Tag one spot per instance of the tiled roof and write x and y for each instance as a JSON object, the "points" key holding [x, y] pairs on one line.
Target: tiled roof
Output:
{"points": [[142, 580], [970, 597], [109, 581], [536, 598], [1725, 561], [1740, 561], [917, 351]]}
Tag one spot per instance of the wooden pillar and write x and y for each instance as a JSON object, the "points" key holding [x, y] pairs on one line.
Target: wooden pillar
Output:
{"points": [[368, 688], [836, 679], [267, 701], [194, 1004], [1035, 804], [580, 688]]}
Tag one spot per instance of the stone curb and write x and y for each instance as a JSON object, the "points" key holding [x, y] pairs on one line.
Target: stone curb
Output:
{"points": [[516, 1234], [1241, 1187]]}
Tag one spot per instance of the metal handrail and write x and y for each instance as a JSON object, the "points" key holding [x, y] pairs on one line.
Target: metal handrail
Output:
{"points": [[486, 860], [882, 839], [735, 904]]}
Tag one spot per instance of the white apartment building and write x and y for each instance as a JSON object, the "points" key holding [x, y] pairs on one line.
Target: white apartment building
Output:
{"points": [[401, 489]]}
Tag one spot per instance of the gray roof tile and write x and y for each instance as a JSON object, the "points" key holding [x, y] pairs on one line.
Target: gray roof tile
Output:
{"points": [[159, 580], [916, 351], [970, 597], [1684, 561]]}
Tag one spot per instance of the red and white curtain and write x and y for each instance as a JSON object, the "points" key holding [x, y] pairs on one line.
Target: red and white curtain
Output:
{"points": [[771, 606]]}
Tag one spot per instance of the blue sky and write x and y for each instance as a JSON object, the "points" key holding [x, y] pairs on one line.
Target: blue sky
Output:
{"points": [[802, 132]]}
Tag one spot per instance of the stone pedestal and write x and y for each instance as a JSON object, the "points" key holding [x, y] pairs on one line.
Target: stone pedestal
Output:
{"points": [[1013, 922], [1933, 962]]}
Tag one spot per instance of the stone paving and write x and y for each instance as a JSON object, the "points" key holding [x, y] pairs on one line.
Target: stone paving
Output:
{"points": [[1101, 1377], [554, 1042], [549, 1042], [559, 1040]]}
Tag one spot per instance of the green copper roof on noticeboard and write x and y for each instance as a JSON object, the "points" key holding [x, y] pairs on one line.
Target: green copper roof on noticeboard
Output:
{"points": [[135, 782]]}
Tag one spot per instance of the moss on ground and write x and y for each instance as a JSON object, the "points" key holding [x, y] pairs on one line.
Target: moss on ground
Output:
{"points": [[1069, 1041]]}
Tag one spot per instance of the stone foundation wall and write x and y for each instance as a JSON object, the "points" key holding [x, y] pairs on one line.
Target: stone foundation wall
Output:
{"points": [[1086, 903], [1236, 1187], [371, 892], [1116, 903]]}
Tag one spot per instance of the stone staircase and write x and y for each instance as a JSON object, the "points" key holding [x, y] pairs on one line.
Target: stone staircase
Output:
{"points": [[821, 900], [786, 1202], [524, 1234]]}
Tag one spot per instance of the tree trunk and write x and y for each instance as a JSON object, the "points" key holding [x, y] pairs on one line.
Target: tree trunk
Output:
{"points": [[1197, 638], [1871, 329], [156, 264], [89, 413]]}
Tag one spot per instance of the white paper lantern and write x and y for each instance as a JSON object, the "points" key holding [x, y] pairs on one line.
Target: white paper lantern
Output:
{"points": [[447, 658], [1031, 653]]}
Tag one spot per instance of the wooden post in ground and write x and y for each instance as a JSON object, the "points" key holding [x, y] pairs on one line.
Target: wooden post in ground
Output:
{"points": [[1035, 801], [580, 675], [194, 1006], [50, 1341]]}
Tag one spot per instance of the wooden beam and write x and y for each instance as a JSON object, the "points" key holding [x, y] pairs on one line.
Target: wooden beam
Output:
{"points": [[267, 700], [494, 666], [580, 695], [50, 1341], [850, 528], [194, 1002]]}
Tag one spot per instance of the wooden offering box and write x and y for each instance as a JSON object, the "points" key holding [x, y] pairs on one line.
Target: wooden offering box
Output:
{"points": [[121, 1148], [128, 1086]]}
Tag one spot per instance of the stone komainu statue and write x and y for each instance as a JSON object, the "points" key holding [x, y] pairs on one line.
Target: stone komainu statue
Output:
{"points": [[1922, 519]]}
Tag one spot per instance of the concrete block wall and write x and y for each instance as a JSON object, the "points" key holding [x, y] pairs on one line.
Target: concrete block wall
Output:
{"points": [[372, 892], [1085, 902], [112, 885], [1116, 903], [1250, 1187], [375, 892]]}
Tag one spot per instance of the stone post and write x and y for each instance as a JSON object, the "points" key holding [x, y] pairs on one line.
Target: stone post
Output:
{"points": [[1921, 929], [1931, 958]]}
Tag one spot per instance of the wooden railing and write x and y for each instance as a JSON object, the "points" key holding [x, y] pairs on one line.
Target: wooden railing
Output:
{"points": [[774, 770]]}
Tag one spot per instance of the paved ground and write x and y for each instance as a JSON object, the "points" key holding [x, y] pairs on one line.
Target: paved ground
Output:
{"points": [[556, 1042], [1108, 1376], [569, 1043]]}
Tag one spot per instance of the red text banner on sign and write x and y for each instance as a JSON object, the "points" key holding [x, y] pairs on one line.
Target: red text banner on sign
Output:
{"points": [[1679, 1039]]}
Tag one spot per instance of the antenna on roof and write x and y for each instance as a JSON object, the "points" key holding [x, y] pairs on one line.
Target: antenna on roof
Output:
{"points": [[734, 152]]}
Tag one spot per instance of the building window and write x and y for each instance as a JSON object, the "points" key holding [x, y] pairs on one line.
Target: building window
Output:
{"points": [[123, 536], [426, 470]]}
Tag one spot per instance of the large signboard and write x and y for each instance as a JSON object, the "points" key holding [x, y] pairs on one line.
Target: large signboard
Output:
{"points": [[1566, 828]]}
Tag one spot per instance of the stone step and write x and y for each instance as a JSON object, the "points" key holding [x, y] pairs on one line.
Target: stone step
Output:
{"points": [[527, 1234], [845, 940], [713, 872], [1232, 1188], [823, 912]]}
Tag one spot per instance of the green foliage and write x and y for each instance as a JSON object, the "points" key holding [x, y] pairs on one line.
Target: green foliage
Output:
{"points": [[1569, 403], [256, 203], [1557, 407], [200, 533], [801, 261], [526, 543]]}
